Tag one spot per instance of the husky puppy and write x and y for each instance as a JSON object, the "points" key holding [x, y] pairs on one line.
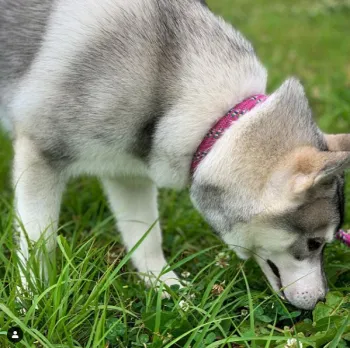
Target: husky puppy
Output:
{"points": [[126, 91]]}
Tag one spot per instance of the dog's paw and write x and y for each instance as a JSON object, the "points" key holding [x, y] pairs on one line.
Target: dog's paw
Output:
{"points": [[167, 280]]}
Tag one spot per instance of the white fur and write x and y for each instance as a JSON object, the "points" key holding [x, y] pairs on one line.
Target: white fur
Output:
{"points": [[134, 203], [37, 202], [301, 280]]}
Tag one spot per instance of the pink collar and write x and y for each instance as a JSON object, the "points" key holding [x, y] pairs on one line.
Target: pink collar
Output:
{"points": [[219, 128]]}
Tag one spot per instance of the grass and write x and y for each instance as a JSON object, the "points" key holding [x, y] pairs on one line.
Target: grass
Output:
{"points": [[95, 299]]}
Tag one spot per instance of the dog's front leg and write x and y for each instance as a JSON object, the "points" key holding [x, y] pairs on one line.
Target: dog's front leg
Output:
{"points": [[38, 192], [134, 203]]}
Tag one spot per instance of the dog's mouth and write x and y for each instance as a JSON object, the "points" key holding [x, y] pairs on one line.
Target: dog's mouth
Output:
{"points": [[276, 272]]}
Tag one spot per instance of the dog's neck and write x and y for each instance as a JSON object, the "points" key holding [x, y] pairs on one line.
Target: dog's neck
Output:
{"points": [[222, 125], [198, 107]]}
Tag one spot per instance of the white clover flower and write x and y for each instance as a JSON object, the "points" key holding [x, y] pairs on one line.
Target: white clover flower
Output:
{"points": [[185, 282], [217, 289], [184, 305], [222, 260], [185, 274], [244, 312], [293, 343], [167, 338]]}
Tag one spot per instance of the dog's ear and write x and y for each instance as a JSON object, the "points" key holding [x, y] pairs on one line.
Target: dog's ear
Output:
{"points": [[311, 167], [338, 142], [291, 100]]}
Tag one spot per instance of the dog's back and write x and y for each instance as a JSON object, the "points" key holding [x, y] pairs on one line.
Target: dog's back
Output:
{"points": [[107, 71], [23, 24], [22, 28]]}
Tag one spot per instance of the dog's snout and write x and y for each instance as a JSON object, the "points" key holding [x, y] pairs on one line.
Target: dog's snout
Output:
{"points": [[306, 299]]}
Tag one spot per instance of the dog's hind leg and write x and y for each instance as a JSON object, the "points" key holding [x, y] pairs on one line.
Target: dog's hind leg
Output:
{"points": [[134, 203], [38, 192]]}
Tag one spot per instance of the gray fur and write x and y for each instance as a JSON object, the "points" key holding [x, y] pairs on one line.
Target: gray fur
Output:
{"points": [[305, 219], [222, 207], [214, 200], [301, 252], [22, 27]]}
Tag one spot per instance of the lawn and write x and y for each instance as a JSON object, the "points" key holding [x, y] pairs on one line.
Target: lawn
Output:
{"points": [[95, 299]]}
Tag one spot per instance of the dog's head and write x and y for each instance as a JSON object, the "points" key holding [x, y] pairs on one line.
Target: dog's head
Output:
{"points": [[272, 188]]}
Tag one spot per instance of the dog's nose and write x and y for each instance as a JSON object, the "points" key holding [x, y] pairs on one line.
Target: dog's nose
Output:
{"points": [[306, 299]]}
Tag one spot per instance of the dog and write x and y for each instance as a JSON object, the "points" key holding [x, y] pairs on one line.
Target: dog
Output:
{"points": [[127, 91]]}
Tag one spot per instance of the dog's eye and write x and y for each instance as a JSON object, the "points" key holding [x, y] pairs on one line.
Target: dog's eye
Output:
{"points": [[314, 244]]}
